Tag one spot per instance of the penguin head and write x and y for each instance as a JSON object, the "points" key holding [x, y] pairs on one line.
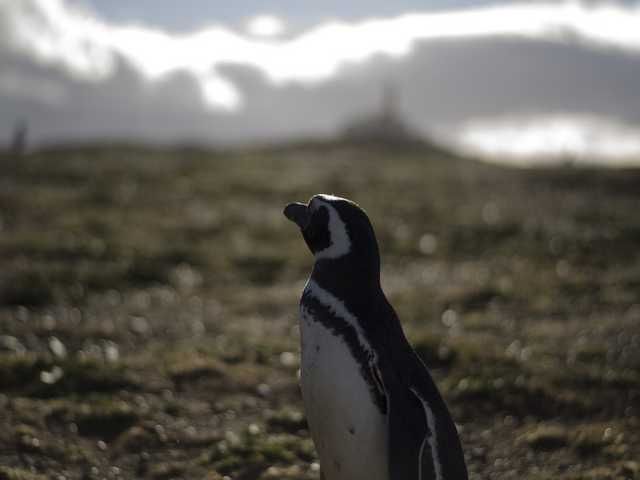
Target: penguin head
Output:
{"points": [[336, 229]]}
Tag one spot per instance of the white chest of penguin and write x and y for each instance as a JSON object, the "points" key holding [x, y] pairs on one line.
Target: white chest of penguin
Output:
{"points": [[349, 432]]}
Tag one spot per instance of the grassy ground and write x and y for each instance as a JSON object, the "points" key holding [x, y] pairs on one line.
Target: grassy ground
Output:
{"points": [[148, 306]]}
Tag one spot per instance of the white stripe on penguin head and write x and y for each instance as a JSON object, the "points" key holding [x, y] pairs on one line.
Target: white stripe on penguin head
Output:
{"points": [[339, 237]]}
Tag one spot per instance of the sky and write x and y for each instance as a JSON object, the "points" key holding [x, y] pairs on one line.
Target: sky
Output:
{"points": [[192, 14], [525, 81]]}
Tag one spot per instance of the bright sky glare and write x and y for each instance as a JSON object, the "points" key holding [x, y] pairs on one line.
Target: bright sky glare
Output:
{"points": [[552, 137], [265, 26]]}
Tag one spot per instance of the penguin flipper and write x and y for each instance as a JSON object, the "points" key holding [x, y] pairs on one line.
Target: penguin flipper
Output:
{"points": [[421, 444], [423, 439], [410, 455]]}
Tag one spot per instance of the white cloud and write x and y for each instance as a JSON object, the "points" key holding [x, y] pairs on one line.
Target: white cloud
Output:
{"points": [[265, 26], [55, 32], [521, 140]]}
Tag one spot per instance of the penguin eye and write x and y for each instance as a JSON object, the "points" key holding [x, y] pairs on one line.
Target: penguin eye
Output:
{"points": [[315, 221], [317, 232]]}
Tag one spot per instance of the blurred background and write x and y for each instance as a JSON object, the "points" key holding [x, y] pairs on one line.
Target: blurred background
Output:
{"points": [[519, 80], [149, 282]]}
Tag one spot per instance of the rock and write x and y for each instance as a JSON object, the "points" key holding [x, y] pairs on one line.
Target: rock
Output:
{"points": [[547, 437], [11, 345]]}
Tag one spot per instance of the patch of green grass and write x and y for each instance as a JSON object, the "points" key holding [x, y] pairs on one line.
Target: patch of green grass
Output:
{"points": [[191, 367], [287, 420], [42, 376], [253, 453], [471, 240], [520, 396], [8, 473], [28, 288], [547, 437], [103, 418], [260, 269]]}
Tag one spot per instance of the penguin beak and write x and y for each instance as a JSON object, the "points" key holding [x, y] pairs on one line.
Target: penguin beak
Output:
{"points": [[298, 214]]}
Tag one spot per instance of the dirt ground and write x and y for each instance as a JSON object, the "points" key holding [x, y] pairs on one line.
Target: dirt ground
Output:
{"points": [[148, 304]]}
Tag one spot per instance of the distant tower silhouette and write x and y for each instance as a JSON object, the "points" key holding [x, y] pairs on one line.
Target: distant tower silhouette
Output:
{"points": [[19, 139], [384, 124], [389, 102]]}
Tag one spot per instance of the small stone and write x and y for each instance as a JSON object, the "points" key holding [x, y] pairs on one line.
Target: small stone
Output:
{"points": [[185, 277], [161, 432], [49, 322], [547, 437], [57, 347], [232, 437], [428, 244], [52, 376], [111, 351], [278, 473], [139, 325], [11, 344], [253, 429], [263, 390], [478, 453], [449, 318], [631, 468], [288, 359]]}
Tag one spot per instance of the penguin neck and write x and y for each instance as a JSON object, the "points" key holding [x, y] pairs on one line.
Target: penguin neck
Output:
{"points": [[348, 279]]}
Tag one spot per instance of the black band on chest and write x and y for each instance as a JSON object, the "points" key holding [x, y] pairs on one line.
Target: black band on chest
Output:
{"points": [[341, 328]]}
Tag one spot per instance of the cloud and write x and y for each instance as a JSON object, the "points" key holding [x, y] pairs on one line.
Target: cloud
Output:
{"points": [[59, 33], [265, 26], [19, 84]]}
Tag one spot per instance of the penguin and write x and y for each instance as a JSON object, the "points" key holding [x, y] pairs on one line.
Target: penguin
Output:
{"points": [[373, 410]]}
